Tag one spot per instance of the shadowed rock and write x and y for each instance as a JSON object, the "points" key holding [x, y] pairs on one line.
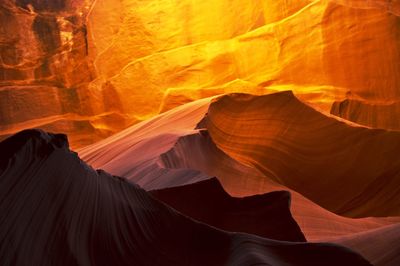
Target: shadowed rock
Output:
{"points": [[56, 210], [265, 215]]}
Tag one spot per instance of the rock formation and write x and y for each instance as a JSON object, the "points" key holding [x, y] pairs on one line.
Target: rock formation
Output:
{"points": [[265, 215], [99, 62], [56, 210], [239, 137], [46, 70], [180, 50], [234, 132]]}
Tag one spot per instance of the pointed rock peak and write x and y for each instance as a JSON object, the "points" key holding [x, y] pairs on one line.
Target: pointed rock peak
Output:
{"points": [[34, 141]]}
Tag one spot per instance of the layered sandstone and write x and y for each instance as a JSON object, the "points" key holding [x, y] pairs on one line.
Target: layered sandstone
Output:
{"points": [[258, 144], [174, 52], [71, 214], [46, 71], [135, 59]]}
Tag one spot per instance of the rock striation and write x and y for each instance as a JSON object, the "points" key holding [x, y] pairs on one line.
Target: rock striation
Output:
{"points": [[56, 210], [99, 62]]}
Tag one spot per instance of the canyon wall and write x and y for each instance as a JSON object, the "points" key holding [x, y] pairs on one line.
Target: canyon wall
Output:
{"points": [[96, 67], [46, 70]]}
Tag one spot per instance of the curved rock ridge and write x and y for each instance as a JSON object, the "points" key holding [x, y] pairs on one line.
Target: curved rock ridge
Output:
{"points": [[197, 151], [379, 246], [56, 210], [138, 59], [266, 215], [40, 142], [180, 51], [311, 153], [192, 152], [134, 153], [377, 115]]}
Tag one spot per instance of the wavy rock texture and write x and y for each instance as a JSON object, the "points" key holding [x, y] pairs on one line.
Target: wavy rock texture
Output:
{"points": [[197, 151], [378, 115], [303, 149], [134, 152], [91, 68], [379, 245], [56, 210], [130, 60], [232, 149], [324, 48]]}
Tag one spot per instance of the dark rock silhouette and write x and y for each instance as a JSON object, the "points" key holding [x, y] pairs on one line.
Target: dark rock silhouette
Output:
{"points": [[266, 215], [56, 210]]}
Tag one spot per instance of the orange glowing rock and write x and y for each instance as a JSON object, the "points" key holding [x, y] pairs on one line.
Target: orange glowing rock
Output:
{"points": [[133, 60], [206, 85], [44, 69], [373, 114], [243, 137], [174, 52], [258, 144]]}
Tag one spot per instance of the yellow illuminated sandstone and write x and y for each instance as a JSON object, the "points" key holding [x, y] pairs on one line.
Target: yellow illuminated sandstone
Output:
{"points": [[134, 59], [163, 53]]}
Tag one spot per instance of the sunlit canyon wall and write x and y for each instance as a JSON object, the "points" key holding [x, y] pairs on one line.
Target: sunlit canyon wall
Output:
{"points": [[90, 68]]}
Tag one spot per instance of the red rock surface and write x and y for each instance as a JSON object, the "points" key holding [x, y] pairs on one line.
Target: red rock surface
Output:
{"points": [[97, 60], [71, 214], [46, 70], [372, 114], [239, 137], [90, 69]]}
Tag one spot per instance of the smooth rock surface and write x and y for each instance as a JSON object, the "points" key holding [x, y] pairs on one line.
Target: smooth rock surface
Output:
{"points": [[56, 210]]}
